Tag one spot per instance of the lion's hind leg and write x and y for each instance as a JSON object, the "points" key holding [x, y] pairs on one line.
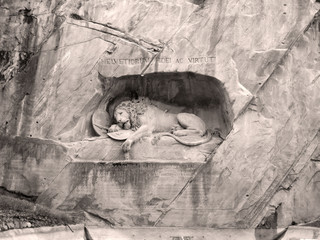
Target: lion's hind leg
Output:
{"points": [[191, 123], [186, 132]]}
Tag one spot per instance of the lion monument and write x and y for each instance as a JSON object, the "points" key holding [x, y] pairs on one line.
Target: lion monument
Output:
{"points": [[144, 119]]}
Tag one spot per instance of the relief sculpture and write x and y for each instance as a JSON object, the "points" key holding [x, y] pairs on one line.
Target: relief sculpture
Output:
{"points": [[159, 117], [139, 118]]}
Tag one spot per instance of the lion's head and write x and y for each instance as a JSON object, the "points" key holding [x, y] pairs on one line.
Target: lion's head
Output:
{"points": [[127, 112]]}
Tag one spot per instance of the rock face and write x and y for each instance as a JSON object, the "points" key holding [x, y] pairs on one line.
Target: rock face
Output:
{"points": [[250, 70]]}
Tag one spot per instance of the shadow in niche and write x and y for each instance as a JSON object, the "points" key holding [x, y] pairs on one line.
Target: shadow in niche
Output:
{"points": [[175, 93]]}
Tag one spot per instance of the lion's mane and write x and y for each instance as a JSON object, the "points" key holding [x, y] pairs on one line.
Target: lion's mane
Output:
{"points": [[134, 108]]}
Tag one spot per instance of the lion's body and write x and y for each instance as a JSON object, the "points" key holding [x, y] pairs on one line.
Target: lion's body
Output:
{"points": [[154, 120], [161, 121]]}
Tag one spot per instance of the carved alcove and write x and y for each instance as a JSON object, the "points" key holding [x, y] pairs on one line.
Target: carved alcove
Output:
{"points": [[176, 92], [134, 192]]}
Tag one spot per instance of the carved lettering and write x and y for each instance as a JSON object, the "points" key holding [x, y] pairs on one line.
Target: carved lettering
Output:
{"points": [[161, 60], [181, 238], [201, 59], [127, 61]]}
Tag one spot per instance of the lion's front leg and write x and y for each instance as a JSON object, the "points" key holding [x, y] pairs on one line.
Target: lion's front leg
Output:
{"points": [[114, 128], [141, 132], [126, 146]]}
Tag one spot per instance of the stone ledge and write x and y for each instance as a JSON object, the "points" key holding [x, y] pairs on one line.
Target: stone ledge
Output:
{"points": [[167, 150], [72, 232]]}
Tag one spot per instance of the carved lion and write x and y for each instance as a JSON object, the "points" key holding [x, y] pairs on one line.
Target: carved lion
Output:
{"points": [[145, 119]]}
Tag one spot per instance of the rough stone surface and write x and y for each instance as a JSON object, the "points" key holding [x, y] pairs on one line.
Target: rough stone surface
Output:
{"points": [[249, 69], [124, 193], [170, 233], [29, 165], [284, 111], [297, 198], [302, 233], [73, 232], [93, 232]]}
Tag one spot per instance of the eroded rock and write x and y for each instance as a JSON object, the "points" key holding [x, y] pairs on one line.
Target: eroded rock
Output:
{"points": [[250, 69]]}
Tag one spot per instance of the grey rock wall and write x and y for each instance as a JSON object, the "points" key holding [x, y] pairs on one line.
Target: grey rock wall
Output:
{"points": [[60, 59]]}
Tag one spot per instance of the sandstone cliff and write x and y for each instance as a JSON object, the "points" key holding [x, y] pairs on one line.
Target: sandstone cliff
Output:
{"points": [[249, 68]]}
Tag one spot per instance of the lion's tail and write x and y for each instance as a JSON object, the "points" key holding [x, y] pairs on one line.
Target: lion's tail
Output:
{"points": [[206, 139]]}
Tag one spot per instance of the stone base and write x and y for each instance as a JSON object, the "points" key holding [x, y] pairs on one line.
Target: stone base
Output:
{"points": [[126, 193], [77, 232], [166, 149]]}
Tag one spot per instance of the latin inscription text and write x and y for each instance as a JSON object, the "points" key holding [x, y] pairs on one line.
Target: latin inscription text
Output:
{"points": [[161, 60]]}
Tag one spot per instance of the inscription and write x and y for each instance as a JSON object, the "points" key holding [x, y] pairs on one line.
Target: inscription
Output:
{"points": [[201, 59], [161, 60], [181, 238]]}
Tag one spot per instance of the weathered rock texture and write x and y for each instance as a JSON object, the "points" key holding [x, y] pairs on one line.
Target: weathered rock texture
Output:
{"points": [[249, 68]]}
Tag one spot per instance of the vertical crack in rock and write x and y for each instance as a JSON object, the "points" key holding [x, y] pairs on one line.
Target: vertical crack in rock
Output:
{"points": [[57, 24], [313, 176], [23, 99], [28, 60], [58, 5], [97, 219], [107, 29], [149, 63], [53, 180], [281, 60], [268, 225], [194, 175], [315, 79], [87, 235], [254, 216], [77, 43]]}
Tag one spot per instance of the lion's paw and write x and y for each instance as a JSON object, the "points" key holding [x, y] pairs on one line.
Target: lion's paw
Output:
{"points": [[114, 128], [175, 128], [126, 146], [155, 140]]}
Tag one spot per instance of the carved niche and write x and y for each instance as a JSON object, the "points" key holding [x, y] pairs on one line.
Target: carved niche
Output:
{"points": [[162, 116]]}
